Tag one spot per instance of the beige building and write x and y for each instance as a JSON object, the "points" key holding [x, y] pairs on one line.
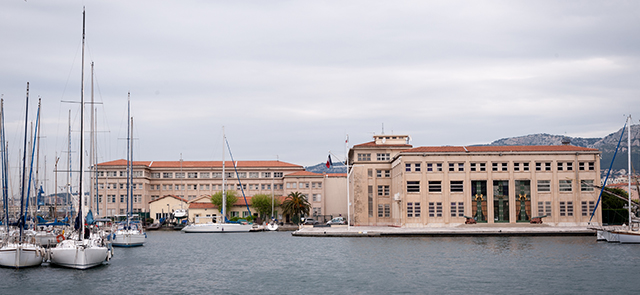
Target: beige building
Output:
{"points": [[198, 180], [392, 183]]}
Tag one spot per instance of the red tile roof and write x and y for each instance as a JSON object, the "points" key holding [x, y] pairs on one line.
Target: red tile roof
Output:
{"points": [[510, 148], [303, 173], [202, 164]]}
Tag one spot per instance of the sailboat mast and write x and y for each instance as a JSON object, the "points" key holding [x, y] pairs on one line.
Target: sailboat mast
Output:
{"points": [[92, 160], [629, 168], [131, 170], [224, 184], [80, 216], [24, 163], [128, 150], [5, 193]]}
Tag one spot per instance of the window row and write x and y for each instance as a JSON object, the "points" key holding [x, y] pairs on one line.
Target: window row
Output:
{"points": [[244, 186], [497, 166], [379, 157], [457, 186], [122, 199], [194, 175], [304, 185]]}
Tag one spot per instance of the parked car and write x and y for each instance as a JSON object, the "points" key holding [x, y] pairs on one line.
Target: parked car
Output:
{"points": [[310, 221], [337, 220]]}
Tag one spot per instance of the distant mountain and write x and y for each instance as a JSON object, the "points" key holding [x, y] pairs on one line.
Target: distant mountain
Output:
{"points": [[336, 167], [606, 145]]}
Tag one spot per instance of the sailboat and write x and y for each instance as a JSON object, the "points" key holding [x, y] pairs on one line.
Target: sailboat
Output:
{"points": [[631, 233], [221, 226], [18, 250], [129, 233], [83, 250]]}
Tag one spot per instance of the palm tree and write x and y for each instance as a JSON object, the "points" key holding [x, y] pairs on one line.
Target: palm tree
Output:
{"points": [[296, 205]]}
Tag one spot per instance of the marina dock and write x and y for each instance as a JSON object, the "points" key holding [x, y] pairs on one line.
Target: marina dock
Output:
{"points": [[460, 230]]}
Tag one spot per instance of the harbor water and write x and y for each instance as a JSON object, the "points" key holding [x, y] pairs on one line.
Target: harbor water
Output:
{"points": [[278, 263]]}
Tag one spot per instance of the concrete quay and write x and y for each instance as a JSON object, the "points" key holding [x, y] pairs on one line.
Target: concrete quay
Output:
{"points": [[453, 231]]}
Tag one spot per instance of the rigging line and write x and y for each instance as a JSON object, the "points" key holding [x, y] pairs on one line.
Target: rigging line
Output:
{"points": [[608, 172], [238, 176]]}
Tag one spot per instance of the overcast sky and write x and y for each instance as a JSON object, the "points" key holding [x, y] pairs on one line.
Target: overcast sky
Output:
{"points": [[290, 79]]}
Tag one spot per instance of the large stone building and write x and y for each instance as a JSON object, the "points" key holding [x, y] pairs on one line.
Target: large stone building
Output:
{"points": [[392, 183], [187, 181]]}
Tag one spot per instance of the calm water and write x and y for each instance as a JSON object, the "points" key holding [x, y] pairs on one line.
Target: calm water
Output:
{"points": [[277, 263]]}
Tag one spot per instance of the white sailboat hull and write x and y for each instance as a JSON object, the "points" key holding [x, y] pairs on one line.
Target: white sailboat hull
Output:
{"points": [[128, 238], [272, 226], [21, 255], [217, 228], [79, 254], [628, 237]]}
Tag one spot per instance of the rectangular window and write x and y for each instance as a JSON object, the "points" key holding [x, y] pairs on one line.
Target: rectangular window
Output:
{"points": [[454, 211], [383, 156], [460, 209], [525, 166], [383, 190], [563, 209], [516, 166], [277, 174], [494, 166], [569, 166], [364, 157], [416, 167], [472, 166], [123, 198], [565, 185], [387, 210], [483, 167], [155, 175], [435, 186], [317, 197], [416, 209], [452, 167], [569, 208], [460, 166], [438, 209], [538, 166], [192, 175], [370, 200], [586, 185], [407, 167], [547, 166], [544, 185], [505, 166], [439, 167], [432, 209], [581, 166], [592, 166], [413, 186], [547, 207], [409, 209], [242, 174], [167, 174], [380, 210], [457, 186], [560, 165], [585, 209], [429, 167], [179, 174], [254, 174]]}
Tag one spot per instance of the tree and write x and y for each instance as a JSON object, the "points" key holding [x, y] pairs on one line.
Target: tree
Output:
{"points": [[296, 205], [262, 204], [216, 199]]}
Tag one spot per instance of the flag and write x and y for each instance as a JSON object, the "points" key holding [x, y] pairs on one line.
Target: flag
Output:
{"points": [[329, 162]]}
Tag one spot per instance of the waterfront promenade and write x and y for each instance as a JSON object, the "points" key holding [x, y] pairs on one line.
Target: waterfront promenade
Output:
{"points": [[460, 230]]}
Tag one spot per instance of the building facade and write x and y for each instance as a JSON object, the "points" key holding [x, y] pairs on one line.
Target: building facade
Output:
{"points": [[392, 183], [191, 180]]}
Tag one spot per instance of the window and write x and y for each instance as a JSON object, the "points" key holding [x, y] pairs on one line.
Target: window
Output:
{"points": [[277, 174], [155, 175], [435, 186], [478, 167], [123, 173], [413, 186], [592, 166], [266, 186], [429, 167], [370, 200], [192, 175], [438, 209], [179, 174], [407, 167], [364, 157], [569, 166], [457, 186], [416, 209], [454, 210], [460, 166], [317, 211], [192, 186], [266, 174], [538, 166], [383, 156], [544, 208], [387, 210], [317, 197], [585, 209], [452, 167], [565, 185], [547, 166], [416, 168], [216, 175], [123, 198], [569, 208], [204, 186], [494, 166], [586, 185], [137, 198], [525, 166], [383, 173], [167, 174], [370, 173], [101, 173], [460, 209], [242, 174], [563, 209], [544, 185], [230, 175], [581, 166], [380, 210], [439, 167], [516, 166], [505, 166], [560, 165], [383, 190], [254, 174], [432, 209], [457, 209], [499, 166], [112, 173], [409, 209], [204, 174]]}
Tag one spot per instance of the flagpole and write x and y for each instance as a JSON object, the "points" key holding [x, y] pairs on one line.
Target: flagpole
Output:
{"points": [[346, 147]]}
